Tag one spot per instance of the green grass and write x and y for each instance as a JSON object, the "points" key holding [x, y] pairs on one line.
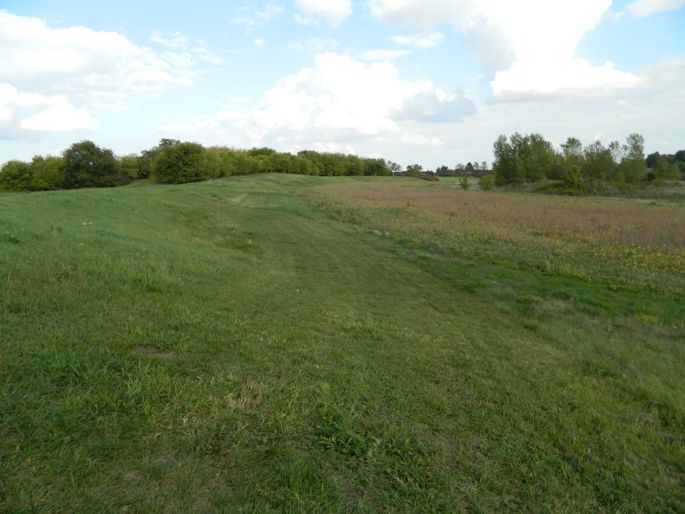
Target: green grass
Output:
{"points": [[229, 346]]}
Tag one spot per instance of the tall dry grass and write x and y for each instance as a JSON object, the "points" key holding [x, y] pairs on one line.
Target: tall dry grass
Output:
{"points": [[599, 221]]}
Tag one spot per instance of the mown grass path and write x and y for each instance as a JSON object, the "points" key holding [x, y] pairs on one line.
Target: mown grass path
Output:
{"points": [[227, 346]]}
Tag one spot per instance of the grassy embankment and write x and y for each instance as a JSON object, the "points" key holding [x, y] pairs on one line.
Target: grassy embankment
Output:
{"points": [[229, 345]]}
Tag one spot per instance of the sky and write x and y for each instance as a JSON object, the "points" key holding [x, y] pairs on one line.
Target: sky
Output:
{"points": [[432, 82]]}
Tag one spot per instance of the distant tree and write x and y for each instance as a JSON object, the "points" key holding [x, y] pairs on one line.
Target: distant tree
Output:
{"points": [[47, 173], [523, 158], [180, 163], [536, 157], [665, 170], [414, 170], [254, 152], [88, 165], [464, 183], [652, 159], [443, 171], [633, 166], [484, 166], [570, 164], [377, 167], [572, 149], [353, 165], [394, 167], [504, 165], [16, 176], [129, 166], [469, 169], [598, 162]]}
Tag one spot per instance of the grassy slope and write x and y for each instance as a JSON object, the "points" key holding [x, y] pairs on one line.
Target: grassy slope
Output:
{"points": [[226, 346]]}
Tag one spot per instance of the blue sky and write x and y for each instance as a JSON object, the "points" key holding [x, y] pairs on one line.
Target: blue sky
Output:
{"points": [[426, 81]]}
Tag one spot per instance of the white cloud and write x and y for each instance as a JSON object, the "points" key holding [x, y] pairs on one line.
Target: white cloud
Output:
{"points": [[644, 8], [259, 42], [383, 55], [527, 46], [436, 106], [419, 41], [259, 17], [332, 12], [172, 40], [60, 119], [184, 48], [51, 73], [410, 138], [55, 113], [337, 101]]}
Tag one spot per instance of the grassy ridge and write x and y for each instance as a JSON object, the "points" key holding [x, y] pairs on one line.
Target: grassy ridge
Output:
{"points": [[227, 346]]}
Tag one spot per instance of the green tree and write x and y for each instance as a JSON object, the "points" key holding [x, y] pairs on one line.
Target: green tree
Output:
{"points": [[633, 167], [129, 166], [377, 167], [88, 165], [47, 173], [414, 170], [598, 162], [180, 163], [504, 165], [16, 176], [665, 170]]}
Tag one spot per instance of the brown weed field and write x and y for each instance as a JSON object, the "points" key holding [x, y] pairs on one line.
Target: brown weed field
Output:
{"points": [[637, 232]]}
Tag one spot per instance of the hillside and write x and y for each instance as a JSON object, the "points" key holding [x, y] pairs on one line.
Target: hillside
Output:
{"points": [[291, 343]]}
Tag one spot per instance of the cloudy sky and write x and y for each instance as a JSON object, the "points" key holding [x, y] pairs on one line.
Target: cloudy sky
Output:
{"points": [[426, 81]]}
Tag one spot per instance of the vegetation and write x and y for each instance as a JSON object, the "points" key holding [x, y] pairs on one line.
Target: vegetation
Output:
{"points": [[531, 158], [88, 165], [85, 164], [369, 344]]}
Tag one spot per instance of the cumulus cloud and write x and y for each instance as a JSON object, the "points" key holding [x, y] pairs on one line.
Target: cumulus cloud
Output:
{"points": [[339, 99], [644, 8], [436, 106], [172, 40], [55, 113], [421, 41], [332, 12], [526, 46], [48, 73]]}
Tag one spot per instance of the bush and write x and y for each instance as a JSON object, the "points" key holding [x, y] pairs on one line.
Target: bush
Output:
{"points": [[486, 182], [88, 165], [180, 163], [16, 176]]}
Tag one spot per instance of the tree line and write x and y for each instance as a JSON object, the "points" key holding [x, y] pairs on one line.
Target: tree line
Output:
{"points": [[531, 158], [84, 164]]}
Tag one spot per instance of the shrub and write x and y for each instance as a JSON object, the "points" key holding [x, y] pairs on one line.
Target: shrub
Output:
{"points": [[180, 163], [16, 176], [47, 173], [487, 182], [88, 165]]}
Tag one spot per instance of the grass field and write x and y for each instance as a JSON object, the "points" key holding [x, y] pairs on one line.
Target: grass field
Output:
{"points": [[280, 343]]}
